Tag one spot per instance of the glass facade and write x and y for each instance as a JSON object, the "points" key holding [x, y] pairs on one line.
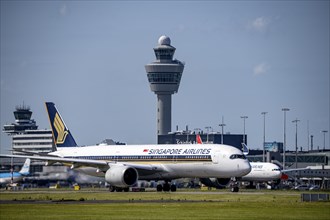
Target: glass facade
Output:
{"points": [[164, 54], [22, 115], [274, 146], [164, 78]]}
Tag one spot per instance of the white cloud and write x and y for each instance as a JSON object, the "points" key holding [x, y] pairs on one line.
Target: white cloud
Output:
{"points": [[261, 68], [259, 24], [63, 10]]}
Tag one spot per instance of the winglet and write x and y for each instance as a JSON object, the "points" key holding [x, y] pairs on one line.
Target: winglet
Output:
{"points": [[61, 134]]}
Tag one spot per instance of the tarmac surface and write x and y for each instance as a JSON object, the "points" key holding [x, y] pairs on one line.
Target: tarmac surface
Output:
{"points": [[96, 201]]}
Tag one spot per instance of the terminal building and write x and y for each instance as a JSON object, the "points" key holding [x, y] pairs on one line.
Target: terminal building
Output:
{"points": [[188, 137]]}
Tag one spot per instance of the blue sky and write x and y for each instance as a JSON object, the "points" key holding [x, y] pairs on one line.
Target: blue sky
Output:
{"points": [[242, 58]]}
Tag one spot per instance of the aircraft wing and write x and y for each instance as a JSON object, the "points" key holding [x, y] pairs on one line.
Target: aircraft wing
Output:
{"points": [[291, 170], [144, 169], [30, 153]]}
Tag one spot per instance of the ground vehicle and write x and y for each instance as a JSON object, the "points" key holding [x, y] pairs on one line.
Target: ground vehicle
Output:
{"points": [[301, 187]]}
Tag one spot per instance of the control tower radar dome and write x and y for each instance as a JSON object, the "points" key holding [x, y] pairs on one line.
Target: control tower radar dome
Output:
{"points": [[164, 40]]}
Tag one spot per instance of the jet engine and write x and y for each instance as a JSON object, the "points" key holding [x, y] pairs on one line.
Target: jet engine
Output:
{"points": [[121, 176], [218, 183]]}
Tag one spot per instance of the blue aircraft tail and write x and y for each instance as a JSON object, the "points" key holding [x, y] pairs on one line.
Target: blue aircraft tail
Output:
{"points": [[245, 149], [61, 134]]}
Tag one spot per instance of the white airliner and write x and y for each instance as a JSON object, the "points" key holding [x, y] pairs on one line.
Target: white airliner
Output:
{"points": [[260, 171], [15, 177], [123, 165], [263, 172]]}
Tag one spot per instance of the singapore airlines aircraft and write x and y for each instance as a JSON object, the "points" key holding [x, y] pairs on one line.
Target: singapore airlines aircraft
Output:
{"points": [[122, 166], [6, 178]]}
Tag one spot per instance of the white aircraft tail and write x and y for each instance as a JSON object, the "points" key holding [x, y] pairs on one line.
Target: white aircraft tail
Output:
{"points": [[26, 167]]}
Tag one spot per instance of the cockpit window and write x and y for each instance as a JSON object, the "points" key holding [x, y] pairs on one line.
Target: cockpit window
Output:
{"points": [[276, 169], [237, 156]]}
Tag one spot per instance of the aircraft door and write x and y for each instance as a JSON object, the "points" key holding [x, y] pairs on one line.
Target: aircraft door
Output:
{"points": [[116, 158], [175, 158], [216, 157]]}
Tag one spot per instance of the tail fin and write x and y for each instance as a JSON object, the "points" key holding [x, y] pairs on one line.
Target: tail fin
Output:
{"points": [[199, 139], [26, 167], [61, 134], [245, 149]]}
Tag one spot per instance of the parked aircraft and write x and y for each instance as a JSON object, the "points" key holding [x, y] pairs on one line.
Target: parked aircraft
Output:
{"points": [[263, 172], [260, 171], [14, 177], [123, 166]]}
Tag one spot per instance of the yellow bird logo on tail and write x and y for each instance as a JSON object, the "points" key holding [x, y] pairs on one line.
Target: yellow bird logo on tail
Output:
{"points": [[60, 129]]}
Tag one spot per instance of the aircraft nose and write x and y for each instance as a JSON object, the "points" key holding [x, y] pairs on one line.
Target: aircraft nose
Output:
{"points": [[245, 168], [278, 174]]}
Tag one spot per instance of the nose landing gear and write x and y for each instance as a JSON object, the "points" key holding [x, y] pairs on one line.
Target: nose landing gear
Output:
{"points": [[234, 185]]}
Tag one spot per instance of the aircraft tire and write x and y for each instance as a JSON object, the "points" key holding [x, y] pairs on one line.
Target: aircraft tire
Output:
{"points": [[166, 187], [159, 188], [119, 189], [112, 188], [234, 189], [173, 188]]}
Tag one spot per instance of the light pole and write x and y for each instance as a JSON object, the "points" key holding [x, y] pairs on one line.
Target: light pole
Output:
{"points": [[307, 135], [296, 158], [222, 125], [264, 140], [244, 117], [284, 142], [312, 142], [208, 128], [324, 131]]}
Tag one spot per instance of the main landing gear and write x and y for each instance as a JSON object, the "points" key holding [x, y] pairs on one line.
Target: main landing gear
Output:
{"points": [[118, 189], [166, 187]]}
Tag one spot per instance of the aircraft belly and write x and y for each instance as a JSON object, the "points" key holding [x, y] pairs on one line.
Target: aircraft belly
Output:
{"points": [[190, 170], [8, 180], [4, 180]]}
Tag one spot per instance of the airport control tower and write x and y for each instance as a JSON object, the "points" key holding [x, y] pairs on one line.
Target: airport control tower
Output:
{"points": [[23, 121], [164, 76]]}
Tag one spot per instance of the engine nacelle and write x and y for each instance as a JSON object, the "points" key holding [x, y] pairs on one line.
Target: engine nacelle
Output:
{"points": [[218, 183], [121, 176]]}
